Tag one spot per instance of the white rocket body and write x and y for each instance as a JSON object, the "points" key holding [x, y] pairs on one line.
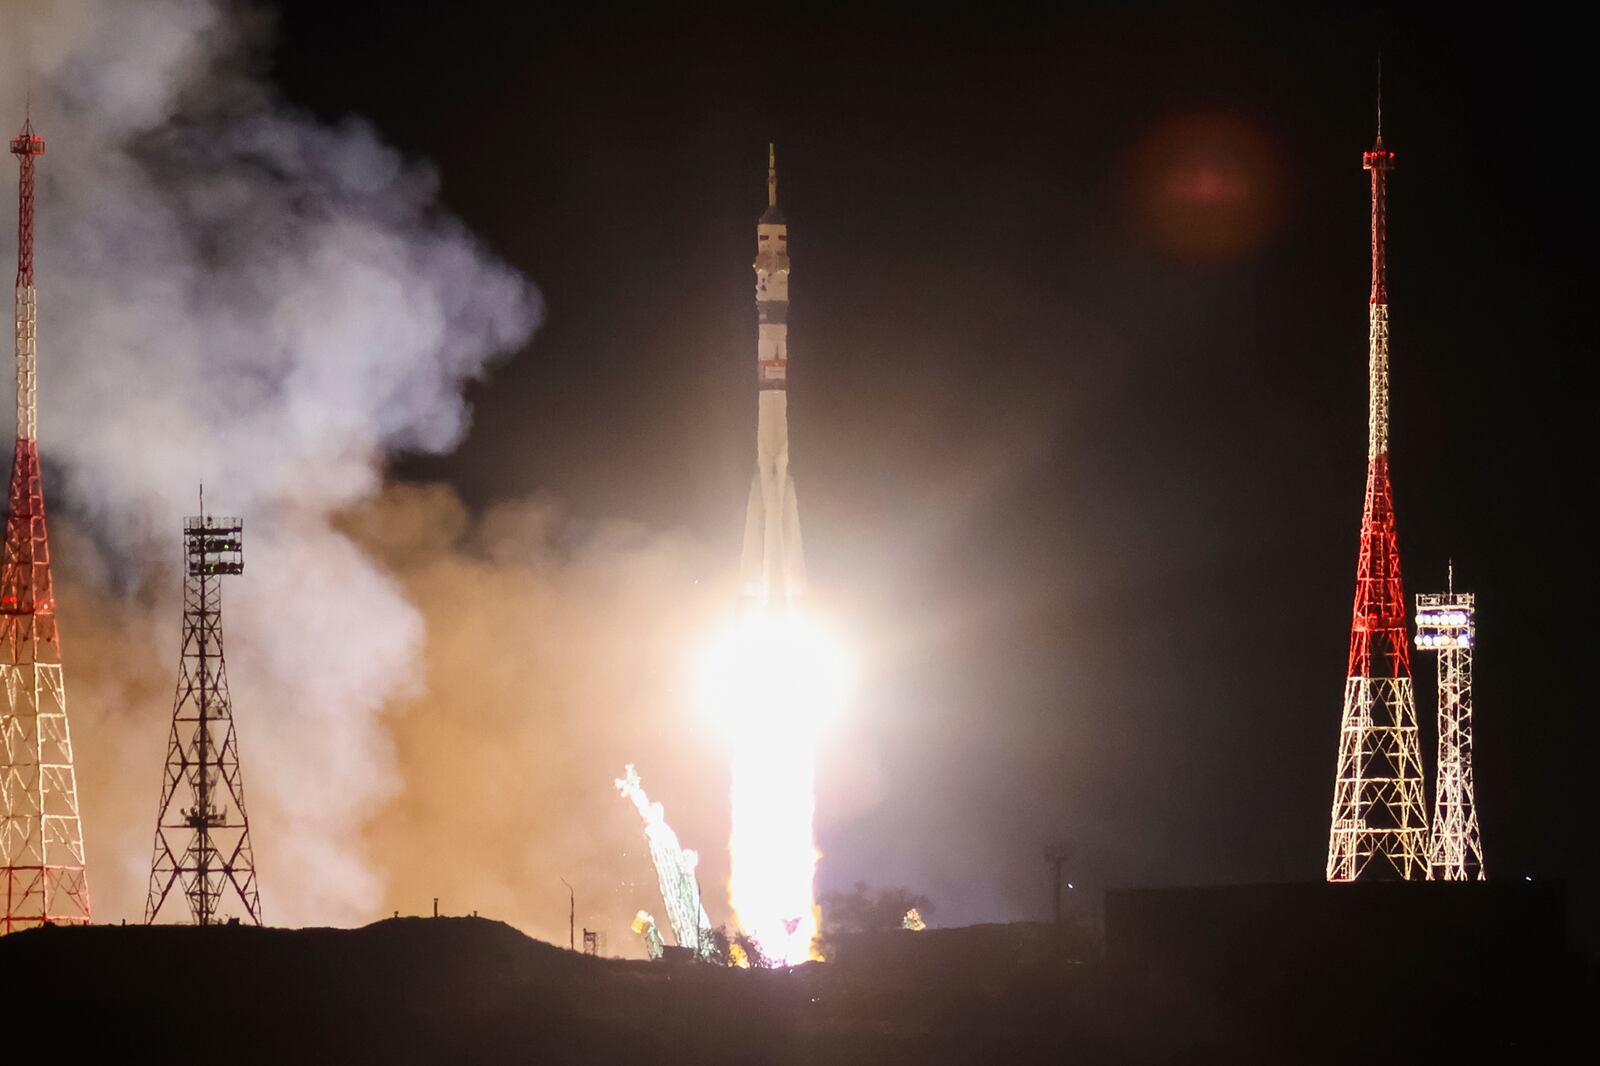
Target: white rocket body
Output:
{"points": [[773, 569]]}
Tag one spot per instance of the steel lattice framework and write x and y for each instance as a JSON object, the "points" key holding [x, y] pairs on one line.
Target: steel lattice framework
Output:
{"points": [[675, 869], [1379, 807], [204, 847], [41, 834], [1447, 625]]}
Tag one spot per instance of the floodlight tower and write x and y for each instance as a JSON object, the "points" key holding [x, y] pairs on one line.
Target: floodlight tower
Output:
{"points": [[1379, 808], [204, 847], [42, 876], [1446, 624]]}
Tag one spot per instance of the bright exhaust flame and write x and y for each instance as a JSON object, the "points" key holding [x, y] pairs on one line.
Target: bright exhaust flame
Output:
{"points": [[773, 682]]}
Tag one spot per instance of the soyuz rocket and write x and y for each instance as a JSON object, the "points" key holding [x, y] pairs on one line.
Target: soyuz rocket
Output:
{"points": [[772, 574]]}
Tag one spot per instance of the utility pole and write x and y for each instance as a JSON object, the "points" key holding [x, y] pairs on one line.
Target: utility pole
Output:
{"points": [[1056, 855], [572, 918]]}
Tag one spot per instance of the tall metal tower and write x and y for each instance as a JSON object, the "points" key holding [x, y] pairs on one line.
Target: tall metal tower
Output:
{"points": [[1446, 624], [204, 846], [41, 836], [1379, 807]]}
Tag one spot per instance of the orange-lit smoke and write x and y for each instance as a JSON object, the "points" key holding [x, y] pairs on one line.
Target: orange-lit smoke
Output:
{"points": [[550, 652]]}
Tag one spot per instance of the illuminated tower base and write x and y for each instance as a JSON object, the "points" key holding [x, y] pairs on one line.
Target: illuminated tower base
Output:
{"points": [[1379, 805]]}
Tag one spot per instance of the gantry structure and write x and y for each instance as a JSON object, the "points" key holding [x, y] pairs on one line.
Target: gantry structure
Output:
{"points": [[675, 869]]}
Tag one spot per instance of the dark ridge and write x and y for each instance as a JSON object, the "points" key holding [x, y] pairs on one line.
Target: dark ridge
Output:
{"points": [[1261, 973]]}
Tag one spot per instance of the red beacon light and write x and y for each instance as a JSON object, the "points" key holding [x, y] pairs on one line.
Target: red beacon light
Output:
{"points": [[27, 142]]}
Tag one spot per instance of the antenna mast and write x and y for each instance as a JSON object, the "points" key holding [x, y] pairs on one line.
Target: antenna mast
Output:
{"points": [[42, 873], [1378, 803]]}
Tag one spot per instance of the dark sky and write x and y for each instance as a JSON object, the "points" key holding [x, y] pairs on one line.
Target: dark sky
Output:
{"points": [[1079, 438]]}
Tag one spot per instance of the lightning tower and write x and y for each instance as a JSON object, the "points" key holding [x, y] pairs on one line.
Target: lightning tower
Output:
{"points": [[41, 835], [1446, 624], [204, 847], [1379, 810]]}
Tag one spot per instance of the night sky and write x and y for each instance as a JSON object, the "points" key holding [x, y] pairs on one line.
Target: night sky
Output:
{"points": [[1078, 384]]}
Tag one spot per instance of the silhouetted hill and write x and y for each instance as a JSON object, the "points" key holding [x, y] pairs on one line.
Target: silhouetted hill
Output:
{"points": [[1271, 973]]}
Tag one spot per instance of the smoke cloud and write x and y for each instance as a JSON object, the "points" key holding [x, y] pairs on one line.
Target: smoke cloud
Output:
{"points": [[233, 292], [430, 703], [557, 651]]}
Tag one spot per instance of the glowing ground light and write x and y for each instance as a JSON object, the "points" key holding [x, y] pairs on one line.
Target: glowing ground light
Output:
{"points": [[773, 682]]}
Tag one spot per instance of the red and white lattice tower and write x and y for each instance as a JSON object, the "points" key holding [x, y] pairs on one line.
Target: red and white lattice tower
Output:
{"points": [[1379, 807], [41, 836]]}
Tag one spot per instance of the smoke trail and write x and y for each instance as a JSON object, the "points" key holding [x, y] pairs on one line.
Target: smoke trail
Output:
{"points": [[231, 291]]}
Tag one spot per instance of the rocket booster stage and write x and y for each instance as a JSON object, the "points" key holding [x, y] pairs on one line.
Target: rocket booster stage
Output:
{"points": [[773, 570], [776, 673]]}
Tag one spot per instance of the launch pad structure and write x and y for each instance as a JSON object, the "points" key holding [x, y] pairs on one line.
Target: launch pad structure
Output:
{"points": [[675, 870], [204, 848]]}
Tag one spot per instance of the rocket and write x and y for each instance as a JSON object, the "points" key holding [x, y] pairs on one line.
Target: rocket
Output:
{"points": [[772, 574]]}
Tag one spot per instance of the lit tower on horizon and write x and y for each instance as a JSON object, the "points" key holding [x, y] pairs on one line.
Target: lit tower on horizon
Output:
{"points": [[1379, 805], [41, 835], [203, 849], [1447, 625]]}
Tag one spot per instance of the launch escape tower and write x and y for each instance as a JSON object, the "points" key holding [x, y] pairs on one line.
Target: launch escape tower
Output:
{"points": [[1379, 808], [205, 846], [41, 835], [1446, 624]]}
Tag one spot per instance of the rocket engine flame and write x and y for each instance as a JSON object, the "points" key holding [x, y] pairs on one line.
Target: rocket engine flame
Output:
{"points": [[773, 682]]}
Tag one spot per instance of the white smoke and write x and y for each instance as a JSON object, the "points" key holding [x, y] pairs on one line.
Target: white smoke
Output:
{"points": [[230, 291]]}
